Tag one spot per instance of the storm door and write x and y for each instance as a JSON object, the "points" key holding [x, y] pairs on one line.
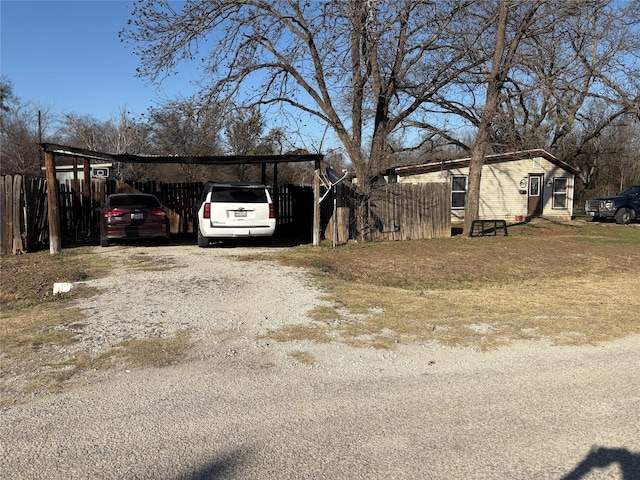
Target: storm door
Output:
{"points": [[535, 195]]}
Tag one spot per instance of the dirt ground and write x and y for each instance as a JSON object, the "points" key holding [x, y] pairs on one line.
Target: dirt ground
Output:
{"points": [[236, 403]]}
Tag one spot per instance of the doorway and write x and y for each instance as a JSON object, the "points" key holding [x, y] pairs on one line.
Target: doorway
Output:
{"points": [[534, 205]]}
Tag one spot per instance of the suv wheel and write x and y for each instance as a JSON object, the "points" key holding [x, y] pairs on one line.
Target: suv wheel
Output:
{"points": [[623, 216], [203, 242]]}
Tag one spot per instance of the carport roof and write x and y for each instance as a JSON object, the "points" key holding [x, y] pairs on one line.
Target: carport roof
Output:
{"points": [[63, 150]]}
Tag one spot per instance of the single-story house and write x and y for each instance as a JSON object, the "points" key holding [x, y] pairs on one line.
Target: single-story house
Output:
{"points": [[103, 171], [514, 186]]}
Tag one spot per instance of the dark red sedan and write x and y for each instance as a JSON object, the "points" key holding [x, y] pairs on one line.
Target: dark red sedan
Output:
{"points": [[133, 216]]}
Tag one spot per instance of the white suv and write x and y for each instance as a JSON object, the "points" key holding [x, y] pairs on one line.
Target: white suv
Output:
{"points": [[234, 210]]}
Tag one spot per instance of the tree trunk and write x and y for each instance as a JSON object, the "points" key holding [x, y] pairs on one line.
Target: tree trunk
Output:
{"points": [[495, 83]]}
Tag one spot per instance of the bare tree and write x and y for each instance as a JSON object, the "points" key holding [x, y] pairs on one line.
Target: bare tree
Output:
{"points": [[180, 127], [121, 134], [22, 127], [8, 99], [85, 131], [577, 77], [243, 132], [371, 69], [362, 68], [551, 63]]}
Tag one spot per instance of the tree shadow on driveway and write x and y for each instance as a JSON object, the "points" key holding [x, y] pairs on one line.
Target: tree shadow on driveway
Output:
{"points": [[226, 465], [601, 457]]}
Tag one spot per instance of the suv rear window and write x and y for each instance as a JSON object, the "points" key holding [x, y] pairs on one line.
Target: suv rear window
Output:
{"points": [[130, 201], [236, 194]]}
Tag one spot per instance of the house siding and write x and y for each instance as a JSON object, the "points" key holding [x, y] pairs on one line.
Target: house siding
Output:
{"points": [[500, 190]]}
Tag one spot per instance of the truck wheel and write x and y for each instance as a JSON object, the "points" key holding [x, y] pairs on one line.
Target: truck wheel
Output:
{"points": [[203, 242], [623, 216]]}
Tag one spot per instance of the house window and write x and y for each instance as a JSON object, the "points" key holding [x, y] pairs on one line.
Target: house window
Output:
{"points": [[536, 163], [458, 192], [560, 186]]}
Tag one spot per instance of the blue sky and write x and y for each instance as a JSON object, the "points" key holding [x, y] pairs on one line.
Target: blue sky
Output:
{"points": [[66, 55]]}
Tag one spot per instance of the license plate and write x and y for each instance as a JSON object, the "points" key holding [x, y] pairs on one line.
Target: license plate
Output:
{"points": [[137, 216], [240, 213]]}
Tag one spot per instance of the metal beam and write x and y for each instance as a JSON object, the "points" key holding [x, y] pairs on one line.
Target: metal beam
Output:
{"points": [[63, 150]]}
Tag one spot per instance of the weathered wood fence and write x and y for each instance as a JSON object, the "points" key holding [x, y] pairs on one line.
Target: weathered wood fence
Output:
{"points": [[23, 209], [394, 212], [389, 212], [23, 213]]}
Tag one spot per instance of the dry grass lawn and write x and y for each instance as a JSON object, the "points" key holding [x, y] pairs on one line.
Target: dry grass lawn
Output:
{"points": [[565, 284], [570, 284], [37, 327]]}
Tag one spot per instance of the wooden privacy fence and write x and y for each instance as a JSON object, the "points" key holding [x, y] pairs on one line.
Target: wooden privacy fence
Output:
{"points": [[80, 210], [23, 209], [23, 213], [389, 212], [398, 211]]}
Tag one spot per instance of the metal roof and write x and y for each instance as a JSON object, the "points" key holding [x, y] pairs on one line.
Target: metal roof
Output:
{"points": [[463, 162], [67, 151]]}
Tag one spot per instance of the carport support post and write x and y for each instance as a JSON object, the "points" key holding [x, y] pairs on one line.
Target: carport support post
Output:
{"points": [[86, 197], [316, 204], [55, 243]]}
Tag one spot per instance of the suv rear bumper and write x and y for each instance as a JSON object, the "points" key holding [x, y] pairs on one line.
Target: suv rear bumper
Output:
{"points": [[238, 232]]}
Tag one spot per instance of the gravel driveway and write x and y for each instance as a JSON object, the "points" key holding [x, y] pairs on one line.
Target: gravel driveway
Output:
{"points": [[243, 407]]}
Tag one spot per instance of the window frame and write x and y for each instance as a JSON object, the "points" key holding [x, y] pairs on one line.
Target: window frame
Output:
{"points": [[464, 191], [557, 193]]}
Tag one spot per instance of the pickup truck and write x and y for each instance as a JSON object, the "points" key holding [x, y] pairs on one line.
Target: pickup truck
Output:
{"points": [[622, 207]]}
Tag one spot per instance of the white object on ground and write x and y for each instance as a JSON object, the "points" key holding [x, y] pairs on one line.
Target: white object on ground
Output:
{"points": [[62, 287]]}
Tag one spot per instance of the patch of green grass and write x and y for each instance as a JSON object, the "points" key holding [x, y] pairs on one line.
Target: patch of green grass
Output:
{"points": [[79, 275]]}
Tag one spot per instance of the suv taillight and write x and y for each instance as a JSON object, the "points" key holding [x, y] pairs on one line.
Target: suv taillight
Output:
{"points": [[113, 212], [272, 211], [207, 210]]}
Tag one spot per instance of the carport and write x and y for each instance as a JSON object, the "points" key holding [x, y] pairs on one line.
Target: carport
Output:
{"points": [[52, 150]]}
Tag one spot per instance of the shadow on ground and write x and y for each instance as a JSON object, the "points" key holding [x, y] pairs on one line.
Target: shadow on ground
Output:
{"points": [[600, 457], [225, 466]]}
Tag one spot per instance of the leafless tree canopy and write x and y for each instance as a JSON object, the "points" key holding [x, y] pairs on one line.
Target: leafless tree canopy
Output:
{"points": [[386, 76], [363, 68], [513, 73]]}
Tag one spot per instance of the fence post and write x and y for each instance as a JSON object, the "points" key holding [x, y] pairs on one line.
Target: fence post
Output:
{"points": [[55, 242], [5, 213], [86, 197], [18, 226], [316, 204]]}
